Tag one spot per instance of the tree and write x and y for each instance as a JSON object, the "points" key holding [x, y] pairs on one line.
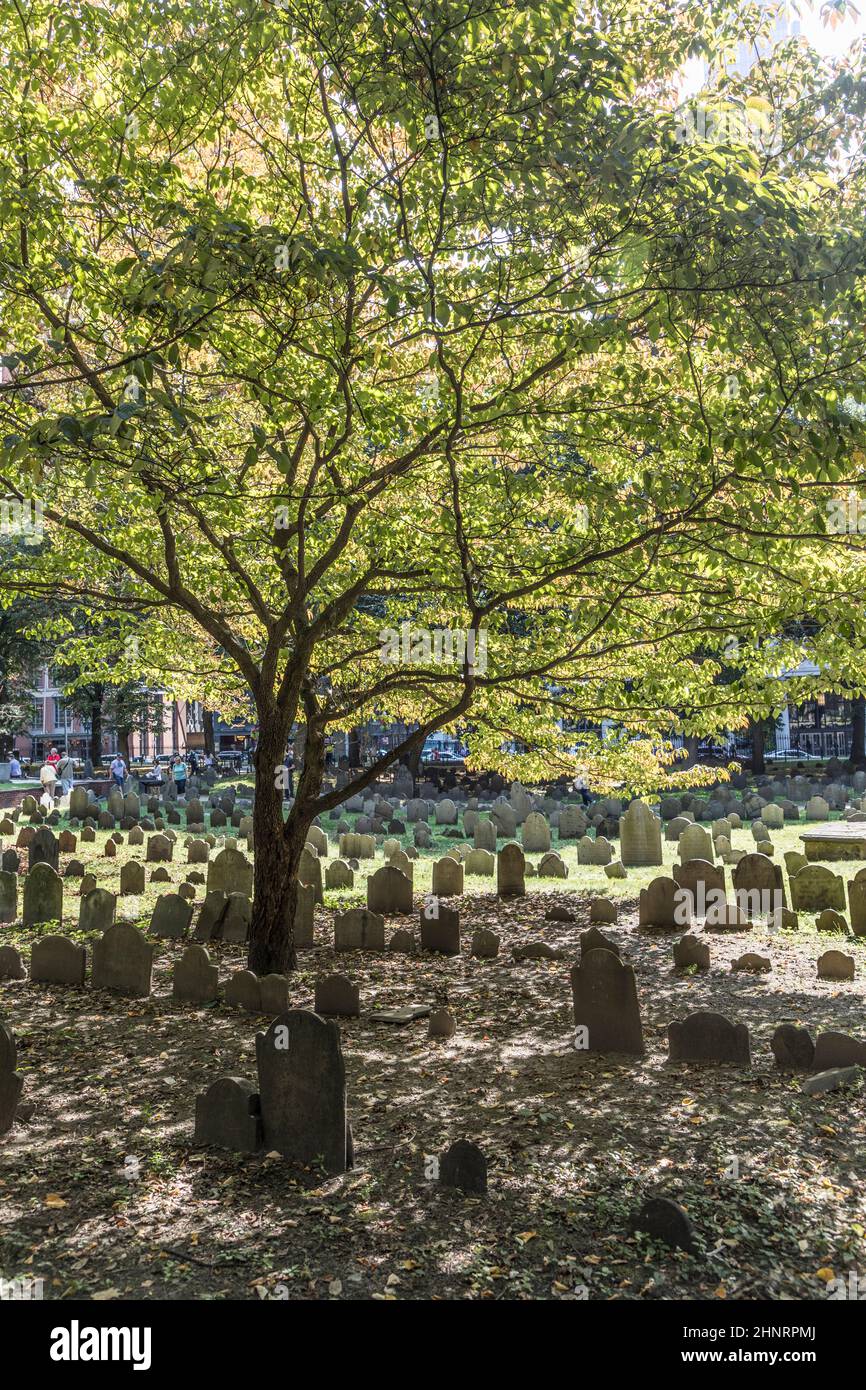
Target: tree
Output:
{"points": [[404, 361]]}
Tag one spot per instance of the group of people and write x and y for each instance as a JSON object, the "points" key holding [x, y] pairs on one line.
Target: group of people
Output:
{"points": [[57, 768]]}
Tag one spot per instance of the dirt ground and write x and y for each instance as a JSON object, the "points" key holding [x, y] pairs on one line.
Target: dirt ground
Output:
{"points": [[772, 1179]]}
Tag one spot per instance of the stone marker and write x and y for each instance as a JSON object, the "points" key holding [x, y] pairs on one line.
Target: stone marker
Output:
{"points": [[659, 906], [708, 1037], [665, 1220], [838, 1050], [11, 965], [447, 878], [57, 960], [836, 1079], [336, 994], [131, 879], [793, 1048], [510, 872], [389, 891], [228, 1115], [816, 887], [160, 850], [8, 897], [230, 872], [97, 909], [195, 980], [640, 836], [441, 932], [123, 961], [442, 1024], [606, 1010], [243, 991], [171, 917], [485, 944], [43, 896], [302, 1086], [464, 1166], [752, 963], [358, 929], [690, 950]]}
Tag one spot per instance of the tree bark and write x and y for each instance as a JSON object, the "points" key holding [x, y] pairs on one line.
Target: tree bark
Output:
{"points": [[96, 732], [858, 730], [756, 731], [209, 729]]}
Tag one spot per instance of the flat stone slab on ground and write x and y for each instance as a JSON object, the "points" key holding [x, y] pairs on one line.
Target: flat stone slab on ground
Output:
{"points": [[836, 840], [407, 1015]]}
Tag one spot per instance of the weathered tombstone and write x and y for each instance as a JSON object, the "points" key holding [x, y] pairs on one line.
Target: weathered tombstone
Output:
{"points": [[485, 944], [708, 1037], [339, 875], [235, 921], [195, 980], [123, 961], [310, 872], [484, 835], [57, 960], [816, 887], [210, 916], [551, 865], [11, 965], [302, 1085], [171, 917], [96, 911], [230, 872], [131, 879], [358, 929], [536, 834], [464, 1166], [835, 965], [856, 903], [160, 849], [602, 910], [572, 823], [606, 1010], [44, 849], [594, 940], [441, 932], [695, 843], [336, 994], [838, 1050], [389, 891], [447, 878], [640, 836], [8, 896], [11, 1081], [690, 950], [793, 1048], [753, 964], [480, 862], [664, 1220], [43, 896], [510, 872], [403, 941], [244, 991], [660, 907], [228, 1115], [758, 885]]}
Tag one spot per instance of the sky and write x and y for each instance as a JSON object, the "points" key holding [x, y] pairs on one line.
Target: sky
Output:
{"points": [[832, 42]]}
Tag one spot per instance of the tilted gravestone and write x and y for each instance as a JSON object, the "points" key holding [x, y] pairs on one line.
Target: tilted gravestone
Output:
{"points": [[228, 1115], [856, 903], [310, 872], [123, 961], [57, 960], [606, 1010], [690, 950], [97, 909], [302, 1086], [838, 1050], [708, 1037], [171, 917], [336, 994], [640, 836]]}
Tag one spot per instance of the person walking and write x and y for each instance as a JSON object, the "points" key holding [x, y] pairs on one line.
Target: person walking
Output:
{"points": [[14, 766], [65, 774], [179, 773], [48, 779], [290, 775], [118, 771]]}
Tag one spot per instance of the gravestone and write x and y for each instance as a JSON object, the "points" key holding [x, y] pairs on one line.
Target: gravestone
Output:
{"points": [[228, 1116], [389, 891], [131, 879], [484, 835], [793, 1048], [11, 965], [43, 896], [339, 875], [838, 1050], [235, 922], [480, 863], [445, 812], [302, 1085], [230, 872], [336, 994], [640, 836], [708, 1037], [536, 834], [123, 961], [195, 980], [604, 994], [11, 1081], [660, 907], [695, 843], [510, 872], [856, 903], [816, 887], [57, 960], [664, 1220], [8, 896], [210, 916], [690, 950], [44, 849], [551, 865], [447, 878], [835, 965], [310, 873], [358, 929], [485, 944], [160, 850], [97, 909], [244, 991], [441, 932], [464, 1166], [171, 917]]}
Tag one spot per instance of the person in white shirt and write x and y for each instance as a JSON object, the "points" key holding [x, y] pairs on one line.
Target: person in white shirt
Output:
{"points": [[118, 771], [48, 778]]}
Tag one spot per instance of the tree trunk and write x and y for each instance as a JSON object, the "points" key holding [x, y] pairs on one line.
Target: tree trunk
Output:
{"points": [[96, 733], [858, 730], [209, 728], [756, 729], [123, 737], [354, 748]]}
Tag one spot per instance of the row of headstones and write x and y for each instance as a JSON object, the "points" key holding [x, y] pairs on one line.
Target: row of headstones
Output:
{"points": [[698, 888], [691, 951], [607, 1019]]}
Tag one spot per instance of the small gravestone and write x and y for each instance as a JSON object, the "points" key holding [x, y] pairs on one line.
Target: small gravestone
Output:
{"points": [[43, 896], [835, 965], [708, 1037], [837, 1079], [210, 917], [244, 991], [131, 879], [594, 940], [339, 875], [11, 966], [230, 872], [695, 843], [171, 917], [640, 836], [310, 872], [606, 1010], [97, 910], [228, 1115], [664, 1220], [44, 849], [403, 941], [602, 910], [274, 994], [235, 922], [464, 1166], [57, 960], [8, 897], [123, 961], [690, 950], [838, 1050], [302, 1086], [815, 888], [447, 878], [510, 872], [359, 930], [551, 865], [440, 931], [442, 1024], [335, 994], [11, 1081], [793, 1048], [752, 963], [159, 850], [536, 834], [195, 980], [660, 907], [389, 891], [485, 944]]}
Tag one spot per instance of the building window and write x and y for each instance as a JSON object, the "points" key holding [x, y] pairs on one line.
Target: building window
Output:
{"points": [[58, 713]]}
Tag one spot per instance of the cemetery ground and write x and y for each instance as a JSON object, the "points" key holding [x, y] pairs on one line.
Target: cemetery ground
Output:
{"points": [[105, 1196]]}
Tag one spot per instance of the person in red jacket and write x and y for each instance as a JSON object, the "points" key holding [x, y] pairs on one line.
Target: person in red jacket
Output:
{"points": [[53, 757]]}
